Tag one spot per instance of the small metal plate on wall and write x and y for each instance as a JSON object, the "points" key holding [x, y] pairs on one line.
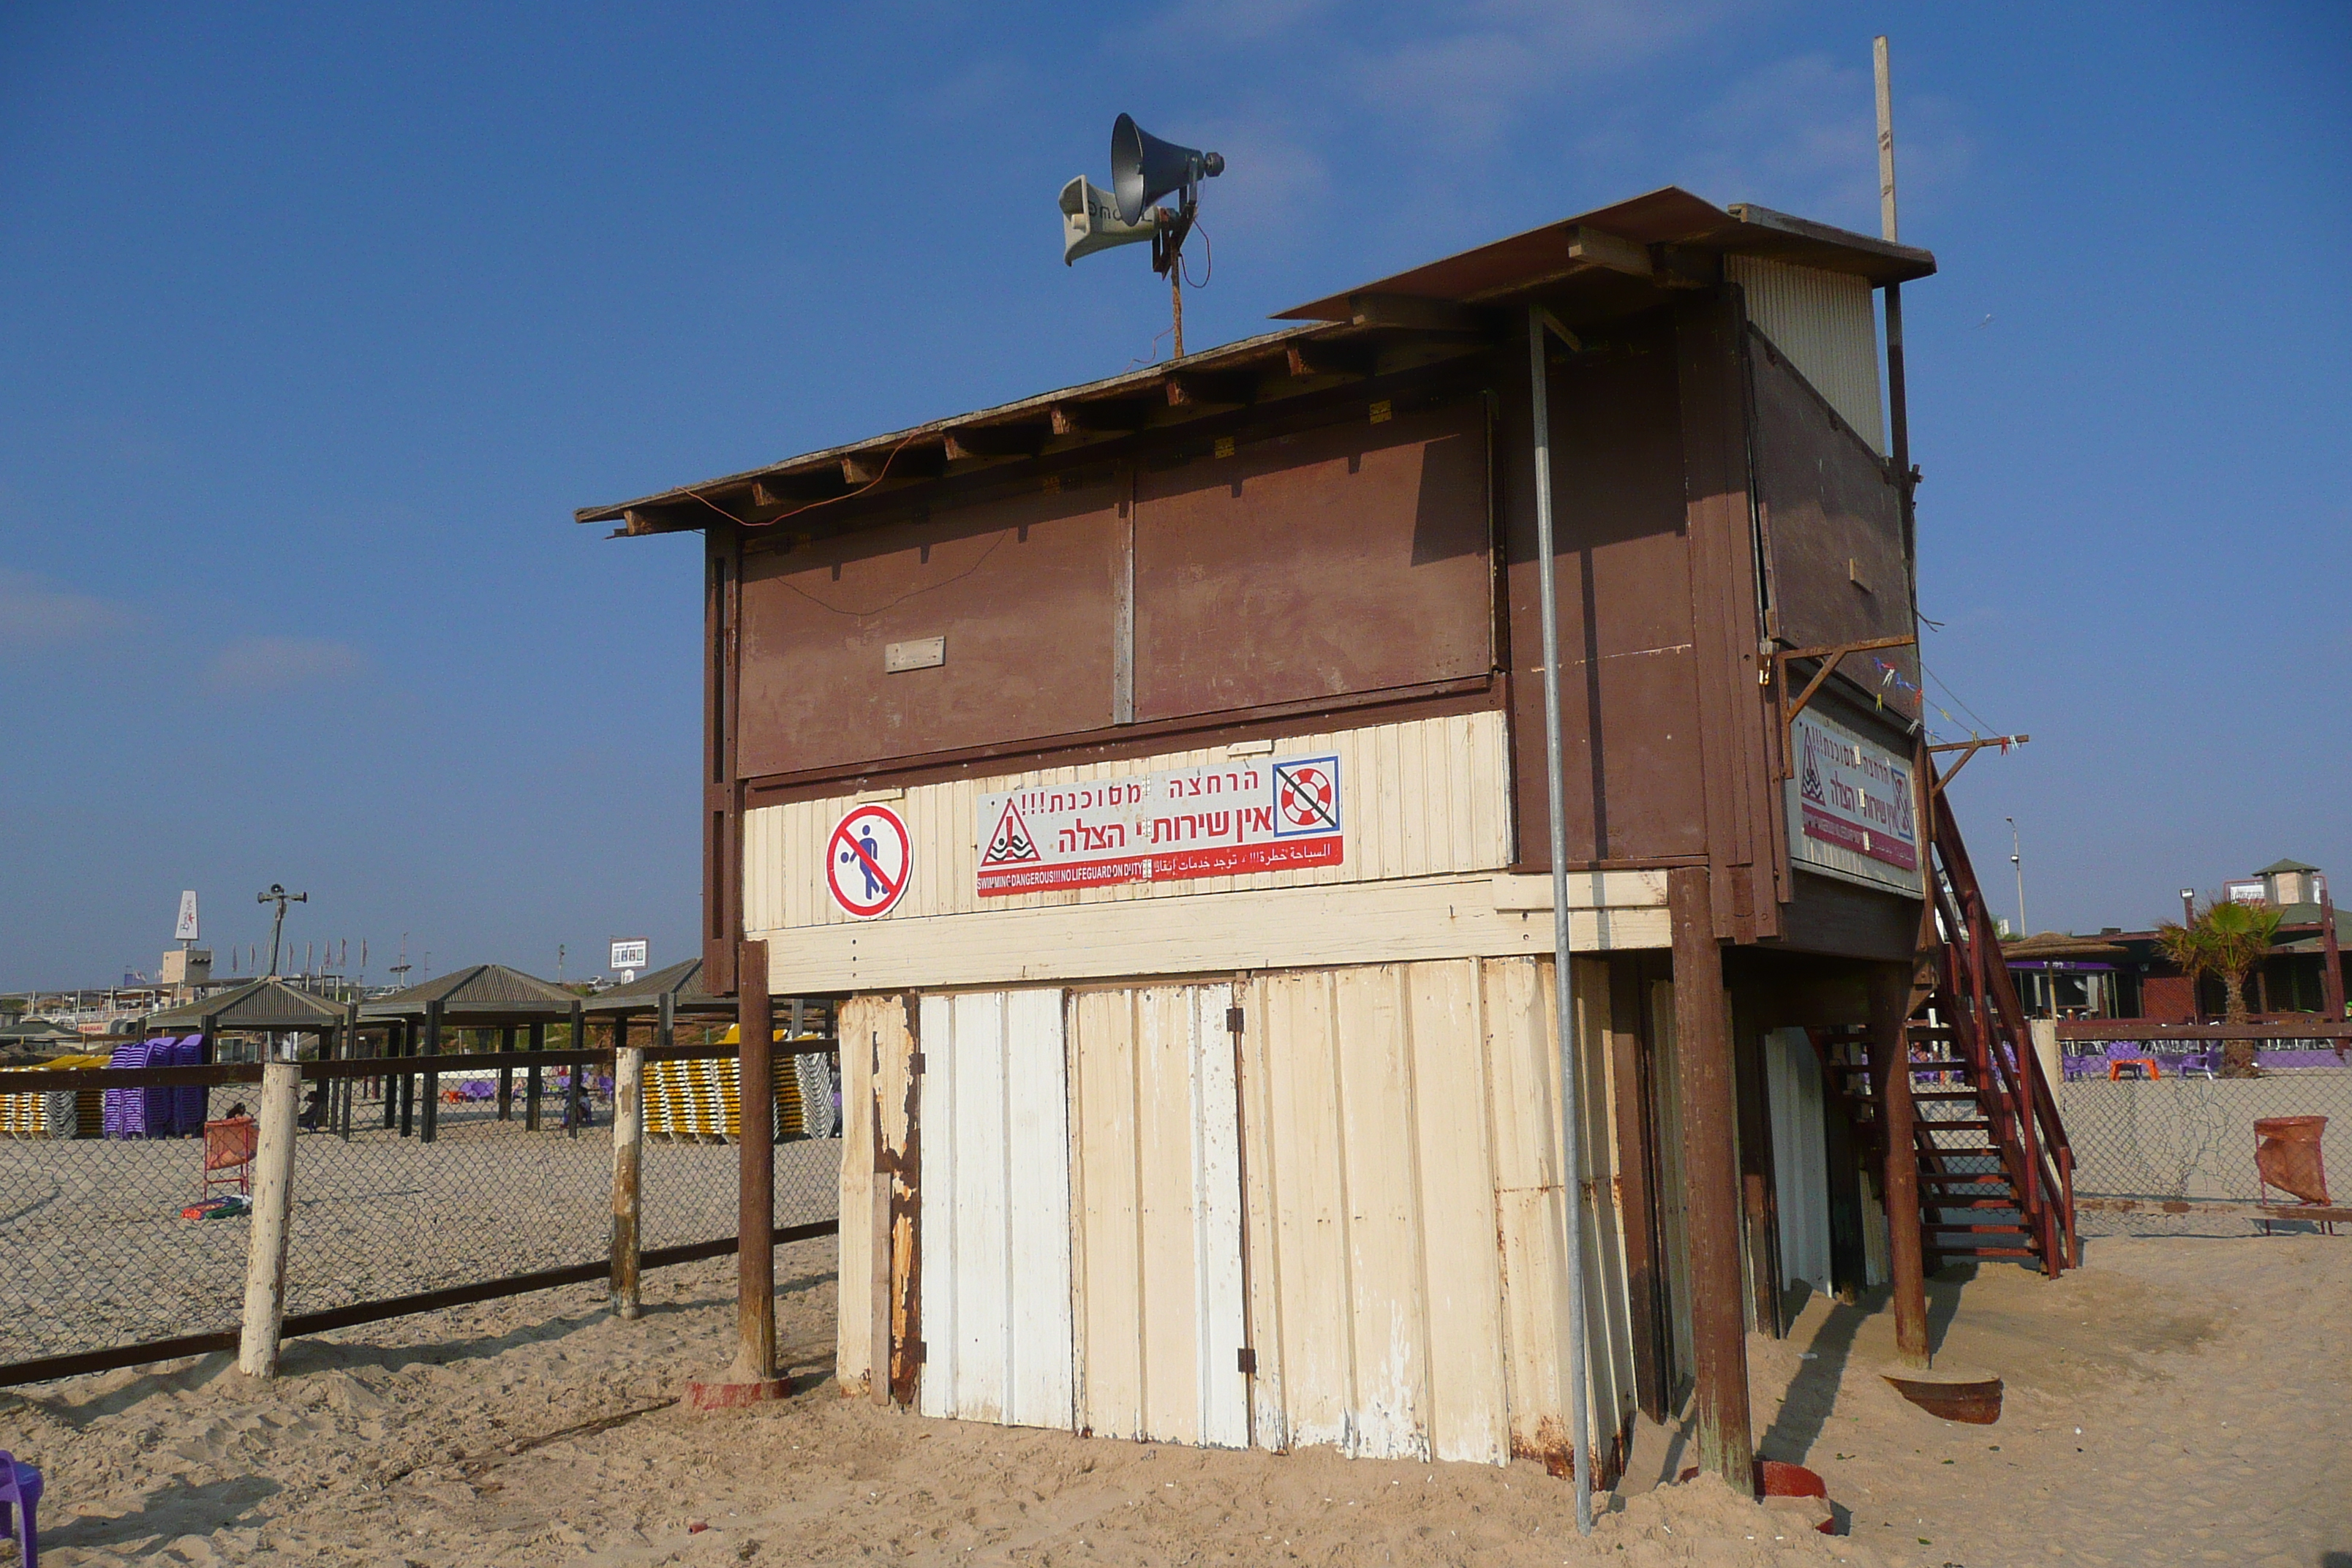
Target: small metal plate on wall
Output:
{"points": [[923, 653]]}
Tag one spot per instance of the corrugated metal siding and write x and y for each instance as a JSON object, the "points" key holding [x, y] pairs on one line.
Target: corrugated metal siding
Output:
{"points": [[1824, 324], [1157, 1198], [1427, 797], [996, 1209]]}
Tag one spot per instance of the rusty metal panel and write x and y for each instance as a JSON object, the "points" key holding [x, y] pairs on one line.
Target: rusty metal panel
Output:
{"points": [[1629, 688], [996, 1209], [1826, 324], [1023, 589], [1351, 558], [1424, 797], [1831, 525]]}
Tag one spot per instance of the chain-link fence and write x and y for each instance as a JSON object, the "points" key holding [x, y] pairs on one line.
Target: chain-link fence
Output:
{"points": [[2163, 1146], [416, 1182]]}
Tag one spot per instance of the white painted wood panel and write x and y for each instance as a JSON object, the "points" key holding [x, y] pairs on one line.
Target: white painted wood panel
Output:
{"points": [[1283, 927], [996, 1280], [1408, 1269], [1424, 797], [1825, 323], [1155, 1155], [1800, 1172]]}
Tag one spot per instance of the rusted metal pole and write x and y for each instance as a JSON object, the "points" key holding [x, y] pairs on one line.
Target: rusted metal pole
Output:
{"points": [[1176, 303], [628, 1144], [755, 1256], [1890, 1073], [1703, 1069]]}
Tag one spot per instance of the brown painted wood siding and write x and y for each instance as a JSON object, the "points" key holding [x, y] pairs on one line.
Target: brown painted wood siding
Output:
{"points": [[1349, 558], [1628, 690], [1023, 589], [1829, 513]]}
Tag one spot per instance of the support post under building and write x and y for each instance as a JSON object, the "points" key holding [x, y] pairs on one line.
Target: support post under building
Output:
{"points": [[1703, 1068]]}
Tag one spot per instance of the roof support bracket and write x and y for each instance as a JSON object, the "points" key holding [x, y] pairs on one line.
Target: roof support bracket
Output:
{"points": [[1831, 655]]}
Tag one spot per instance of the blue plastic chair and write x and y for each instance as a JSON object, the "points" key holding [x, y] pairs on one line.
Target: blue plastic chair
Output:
{"points": [[20, 1485]]}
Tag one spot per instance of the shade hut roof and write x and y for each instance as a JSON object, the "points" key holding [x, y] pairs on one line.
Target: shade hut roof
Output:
{"points": [[483, 993], [265, 1004], [681, 982], [2057, 945], [36, 1029]]}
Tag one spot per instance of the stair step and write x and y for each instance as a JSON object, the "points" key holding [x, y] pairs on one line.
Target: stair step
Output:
{"points": [[1981, 1252], [1943, 1094], [1964, 1178], [1957, 1124], [1976, 1230], [2006, 1201], [1942, 1064]]}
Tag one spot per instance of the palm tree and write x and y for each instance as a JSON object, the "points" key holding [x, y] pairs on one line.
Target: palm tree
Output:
{"points": [[2229, 939]]}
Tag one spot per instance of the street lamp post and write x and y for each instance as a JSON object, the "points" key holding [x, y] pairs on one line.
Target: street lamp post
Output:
{"points": [[2017, 863]]}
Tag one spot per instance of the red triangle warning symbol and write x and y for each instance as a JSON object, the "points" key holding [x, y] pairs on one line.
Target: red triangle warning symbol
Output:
{"points": [[1011, 843]]}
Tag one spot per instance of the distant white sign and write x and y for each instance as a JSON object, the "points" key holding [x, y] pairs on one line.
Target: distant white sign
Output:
{"points": [[1269, 814], [186, 929], [629, 952], [2244, 892], [1851, 807]]}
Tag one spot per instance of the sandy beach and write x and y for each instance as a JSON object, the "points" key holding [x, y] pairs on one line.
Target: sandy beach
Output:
{"points": [[2212, 1402]]}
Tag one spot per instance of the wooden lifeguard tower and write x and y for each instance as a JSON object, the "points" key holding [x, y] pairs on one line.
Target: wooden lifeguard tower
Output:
{"points": [[1157, 770]]}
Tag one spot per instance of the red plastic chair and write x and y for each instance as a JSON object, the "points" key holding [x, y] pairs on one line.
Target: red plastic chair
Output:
{"points": [[229, 1154]]}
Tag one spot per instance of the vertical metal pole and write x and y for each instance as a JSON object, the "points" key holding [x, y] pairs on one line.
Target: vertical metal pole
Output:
{"points": [[577, 1099], [755, 1256], [1176, 302], [506, 1074], [2331, 979], [408, 1080], [532, 1080], [351, 1086], [1898, 410], [430, 1090], [273, 1198], [1563, 985]]}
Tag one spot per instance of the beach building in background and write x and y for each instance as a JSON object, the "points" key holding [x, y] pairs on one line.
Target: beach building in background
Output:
{"points": [[1156, 771]]}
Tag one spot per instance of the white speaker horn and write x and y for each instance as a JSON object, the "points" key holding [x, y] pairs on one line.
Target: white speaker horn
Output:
{"points": [[1091, 221]]}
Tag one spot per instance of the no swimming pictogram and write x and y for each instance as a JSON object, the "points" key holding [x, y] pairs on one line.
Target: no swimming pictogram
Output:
{"points": [[868, 861]]}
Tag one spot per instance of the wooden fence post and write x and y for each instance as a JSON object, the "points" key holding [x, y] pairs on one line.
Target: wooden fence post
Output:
{"points": [[273, 1203], [628, 1143]]}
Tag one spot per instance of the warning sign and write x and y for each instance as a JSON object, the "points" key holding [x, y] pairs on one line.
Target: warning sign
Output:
{"points": [[1220, 820], [1306, 796], [868, 860]]}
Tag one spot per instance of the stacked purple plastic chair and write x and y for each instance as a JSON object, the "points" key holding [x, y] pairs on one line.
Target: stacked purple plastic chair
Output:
{"points": [[124, 1111], [20, 1495], [188, 1104]]}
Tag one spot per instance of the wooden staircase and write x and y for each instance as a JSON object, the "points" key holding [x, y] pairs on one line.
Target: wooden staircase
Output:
{"points": [[1996, 1172]]}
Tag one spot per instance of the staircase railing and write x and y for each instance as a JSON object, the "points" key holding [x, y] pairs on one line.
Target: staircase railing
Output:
{"points": [[1989, 1026]]}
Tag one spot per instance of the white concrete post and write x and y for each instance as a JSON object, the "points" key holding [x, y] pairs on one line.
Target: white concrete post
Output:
{"points": [[273, 1203], [628, 1146]]}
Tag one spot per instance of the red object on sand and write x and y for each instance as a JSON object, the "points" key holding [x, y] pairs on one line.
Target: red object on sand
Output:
{"points": [[2286, 1153], [1777, 1477]]}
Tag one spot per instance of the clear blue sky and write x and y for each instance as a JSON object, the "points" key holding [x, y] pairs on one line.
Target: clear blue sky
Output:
{"points": [[316, 323]]}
